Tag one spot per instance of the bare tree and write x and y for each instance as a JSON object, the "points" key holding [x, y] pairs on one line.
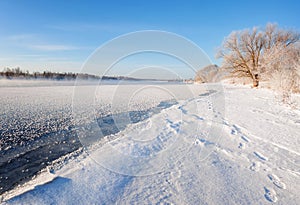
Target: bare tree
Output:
{"points": [[243, 51]]}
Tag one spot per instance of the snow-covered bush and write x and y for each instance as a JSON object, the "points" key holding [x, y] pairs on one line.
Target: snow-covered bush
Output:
{"points": [[282, 69]]}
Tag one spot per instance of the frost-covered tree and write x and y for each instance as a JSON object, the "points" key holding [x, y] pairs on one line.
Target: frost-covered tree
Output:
{"points": [[283, 69], [208, 74], [243, 52]]}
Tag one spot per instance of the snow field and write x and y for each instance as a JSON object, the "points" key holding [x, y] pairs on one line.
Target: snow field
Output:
{"points": [[190, 153]]}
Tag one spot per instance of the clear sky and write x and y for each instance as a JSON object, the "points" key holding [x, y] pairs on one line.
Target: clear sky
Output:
{"points": [[59, 35]]}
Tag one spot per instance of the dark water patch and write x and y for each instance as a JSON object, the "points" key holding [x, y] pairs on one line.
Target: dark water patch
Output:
{"points": [[25, 165], [208, 93], [20, 163], [112, 124]]}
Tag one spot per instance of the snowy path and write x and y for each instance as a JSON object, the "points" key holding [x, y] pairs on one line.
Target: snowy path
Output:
{"points": [[179, 156]]}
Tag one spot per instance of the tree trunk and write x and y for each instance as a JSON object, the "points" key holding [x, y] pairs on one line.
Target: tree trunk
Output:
{"points": [[255, 81]]}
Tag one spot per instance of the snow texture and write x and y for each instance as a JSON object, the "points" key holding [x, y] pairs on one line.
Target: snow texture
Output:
{"points": [[175, 155]]}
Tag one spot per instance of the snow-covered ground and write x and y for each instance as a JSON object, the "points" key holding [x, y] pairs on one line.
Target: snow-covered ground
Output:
{"points": [[214, 146]]}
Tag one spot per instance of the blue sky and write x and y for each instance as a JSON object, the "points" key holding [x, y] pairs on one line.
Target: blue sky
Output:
{"points": [[58, 35]]}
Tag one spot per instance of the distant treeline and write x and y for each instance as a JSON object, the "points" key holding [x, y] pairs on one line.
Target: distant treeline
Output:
{"points": [[17, 73]]}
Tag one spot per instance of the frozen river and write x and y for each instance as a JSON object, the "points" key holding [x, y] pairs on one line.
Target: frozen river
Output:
{"points": [[37, 126]]}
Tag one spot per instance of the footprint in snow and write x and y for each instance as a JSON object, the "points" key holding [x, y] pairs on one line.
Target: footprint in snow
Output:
{"points": [[197, 117], [174, 126], [270, 195], [242, 145], [260, 156], [225, 123], [203, 142], [236, 128], [276, 181], [245, 138], [255, 166]]}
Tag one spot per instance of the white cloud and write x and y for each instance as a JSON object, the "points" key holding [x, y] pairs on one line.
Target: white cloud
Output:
{"points": [[51, 47], [34, 42], [19, 37]]}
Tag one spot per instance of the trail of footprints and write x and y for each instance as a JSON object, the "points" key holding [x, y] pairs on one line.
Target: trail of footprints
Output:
{"points": [[276, 181], [270, 193]]}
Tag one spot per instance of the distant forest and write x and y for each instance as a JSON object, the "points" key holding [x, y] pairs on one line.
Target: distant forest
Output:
{"points": [[17, 73]]}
